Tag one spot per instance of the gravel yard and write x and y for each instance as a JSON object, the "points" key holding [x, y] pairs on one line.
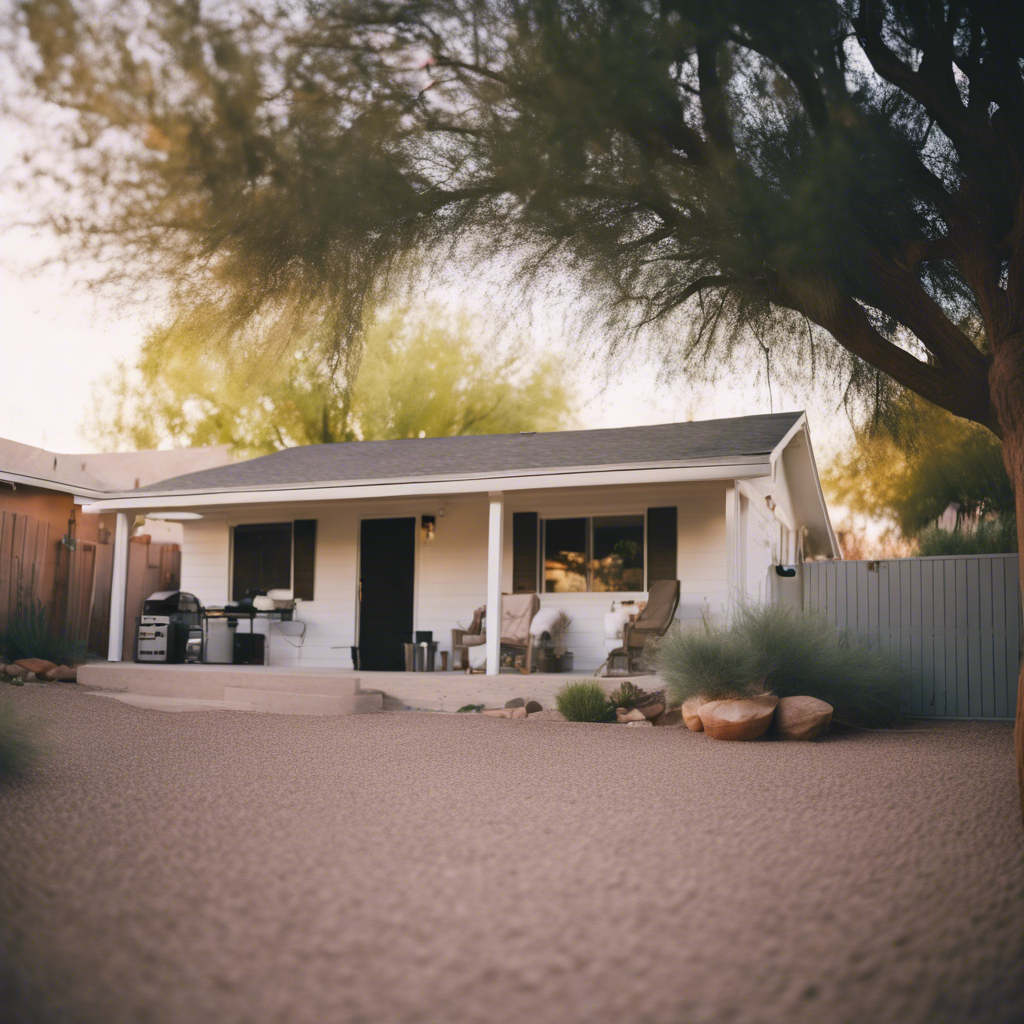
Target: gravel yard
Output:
{"points": [[220, 866]]}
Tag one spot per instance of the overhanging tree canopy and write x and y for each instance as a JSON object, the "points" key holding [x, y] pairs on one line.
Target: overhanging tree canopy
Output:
{"points": [[855, 165]]}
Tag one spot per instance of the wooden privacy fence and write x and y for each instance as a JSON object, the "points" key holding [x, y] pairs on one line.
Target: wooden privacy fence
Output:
{"points": [[23, 551], [954, 622]]}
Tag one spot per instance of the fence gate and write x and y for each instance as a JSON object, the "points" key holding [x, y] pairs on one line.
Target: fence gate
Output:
{"points": [[954, 623]]}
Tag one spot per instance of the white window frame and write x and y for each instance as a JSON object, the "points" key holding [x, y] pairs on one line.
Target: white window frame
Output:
{"points": [[589, 517]]}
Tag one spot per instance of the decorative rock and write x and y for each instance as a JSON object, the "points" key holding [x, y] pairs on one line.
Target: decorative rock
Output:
{"points": [[652, 710], [671, 718], [641, 724], [742, 719], [518, 712], [62, 674], [546, 716], [691, 714], [533, 705], [801, 718], [515, 702], [36, 665], [497, 713], [633, 715]]}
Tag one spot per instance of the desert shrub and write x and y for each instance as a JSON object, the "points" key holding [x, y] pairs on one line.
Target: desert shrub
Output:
{"points": [[709, 660], [806, 655], [786, 652], [28, 635], [992, 537], [629, 696], [17, 744], [583, 701]]}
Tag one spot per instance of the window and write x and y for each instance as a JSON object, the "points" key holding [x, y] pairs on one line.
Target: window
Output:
{"points": [[263, 559], [264, 556], [599, 553]]}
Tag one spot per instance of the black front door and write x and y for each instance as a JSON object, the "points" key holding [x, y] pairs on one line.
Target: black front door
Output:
{"points": [[387, 551]]}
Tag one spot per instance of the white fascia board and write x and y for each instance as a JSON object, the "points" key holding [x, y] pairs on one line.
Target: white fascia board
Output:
{"points": [[88, 494], [802, 424], [757, 498], [419, 488]]}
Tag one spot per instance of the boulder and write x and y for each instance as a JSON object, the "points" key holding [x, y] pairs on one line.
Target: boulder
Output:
{"points": [[533, 705], [644, 724], [518, 712], [632, 715], [652, 710], [672, 718], [745, 718], [691, 714], [546, 716], [62, 674], [515, 702], [497, 712], [801, 718], [37, 665]]}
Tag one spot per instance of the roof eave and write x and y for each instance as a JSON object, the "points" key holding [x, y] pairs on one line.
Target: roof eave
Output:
{"points": [[588, 476]]}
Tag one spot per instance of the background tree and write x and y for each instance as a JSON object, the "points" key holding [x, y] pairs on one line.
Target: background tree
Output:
{"points": [[846, 167], [909, 466], [429, 375]]}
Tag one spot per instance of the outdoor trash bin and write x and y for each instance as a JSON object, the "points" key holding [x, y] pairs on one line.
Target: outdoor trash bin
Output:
{"points": [[420, 657]]}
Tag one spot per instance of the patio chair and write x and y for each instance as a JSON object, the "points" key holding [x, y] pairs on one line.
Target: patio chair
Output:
{"points": [[652, 623], [517, 612]]}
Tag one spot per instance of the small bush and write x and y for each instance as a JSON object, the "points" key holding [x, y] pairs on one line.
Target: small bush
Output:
{"points": [[788, 653], [992, 537], [28, 635], [17, 746], [628, 696], [584, 701], [805, 655], [708, 661]]}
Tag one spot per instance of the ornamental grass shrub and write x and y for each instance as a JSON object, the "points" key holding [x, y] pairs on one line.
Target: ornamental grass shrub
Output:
{"points": [[18, 747], [777, 649], [28, 635], [583, 701], [996, 536]]}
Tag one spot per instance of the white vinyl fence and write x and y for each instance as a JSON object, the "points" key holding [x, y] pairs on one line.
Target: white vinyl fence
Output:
{"points": [[954, 623]]}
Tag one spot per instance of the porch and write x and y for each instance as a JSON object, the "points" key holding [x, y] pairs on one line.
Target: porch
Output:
{"points": [[328, 691]]}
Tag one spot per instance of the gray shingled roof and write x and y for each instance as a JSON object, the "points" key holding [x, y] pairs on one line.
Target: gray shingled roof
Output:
{"points": [[738, 440]]}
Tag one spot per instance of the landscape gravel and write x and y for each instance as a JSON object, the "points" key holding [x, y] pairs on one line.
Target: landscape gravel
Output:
{"points": [[221, 866]]}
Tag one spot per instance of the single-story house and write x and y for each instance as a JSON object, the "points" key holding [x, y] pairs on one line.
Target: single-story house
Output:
{"points": [[49, 549], [380, 539]]}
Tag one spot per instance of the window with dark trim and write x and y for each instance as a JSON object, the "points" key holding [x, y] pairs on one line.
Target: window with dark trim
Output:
{"points": [[273, 556], [593, 553]]}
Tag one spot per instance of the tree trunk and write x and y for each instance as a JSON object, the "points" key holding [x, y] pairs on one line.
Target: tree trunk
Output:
{"points": [[1006, 380]]}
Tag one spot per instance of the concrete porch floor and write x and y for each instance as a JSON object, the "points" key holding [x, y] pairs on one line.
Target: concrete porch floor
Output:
{"points": [[333, 691]]}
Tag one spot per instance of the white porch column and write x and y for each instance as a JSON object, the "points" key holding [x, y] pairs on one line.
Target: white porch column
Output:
{"points": [[495, 557], [733, 561], [118, 587]]}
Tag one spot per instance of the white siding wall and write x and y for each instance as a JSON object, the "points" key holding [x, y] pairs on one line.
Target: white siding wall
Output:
{"points": [[451, 572], [760, 550]]}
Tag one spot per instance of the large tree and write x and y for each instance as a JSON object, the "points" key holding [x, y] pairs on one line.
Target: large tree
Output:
{"points": [[428, 374], [851, 168]]}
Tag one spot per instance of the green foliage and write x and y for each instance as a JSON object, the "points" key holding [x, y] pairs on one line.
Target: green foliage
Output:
{"points": [[804, 655], [990, 537], [629, 696], [773, 648], [771, 170], [710, 661], [584, 701], [916, 461], [471, 707], [429, 375], [28, 635], [18, 745]]}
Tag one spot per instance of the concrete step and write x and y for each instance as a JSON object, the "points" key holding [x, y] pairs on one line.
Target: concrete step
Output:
{"points": [[284, 702]]}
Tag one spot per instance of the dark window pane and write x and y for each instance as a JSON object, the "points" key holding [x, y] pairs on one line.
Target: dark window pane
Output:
{"points": [[618, 562], [565, 555], [262, 559]]}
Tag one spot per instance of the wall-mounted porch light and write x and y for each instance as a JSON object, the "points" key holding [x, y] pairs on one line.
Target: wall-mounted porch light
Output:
{"points": [[428, 527]]}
